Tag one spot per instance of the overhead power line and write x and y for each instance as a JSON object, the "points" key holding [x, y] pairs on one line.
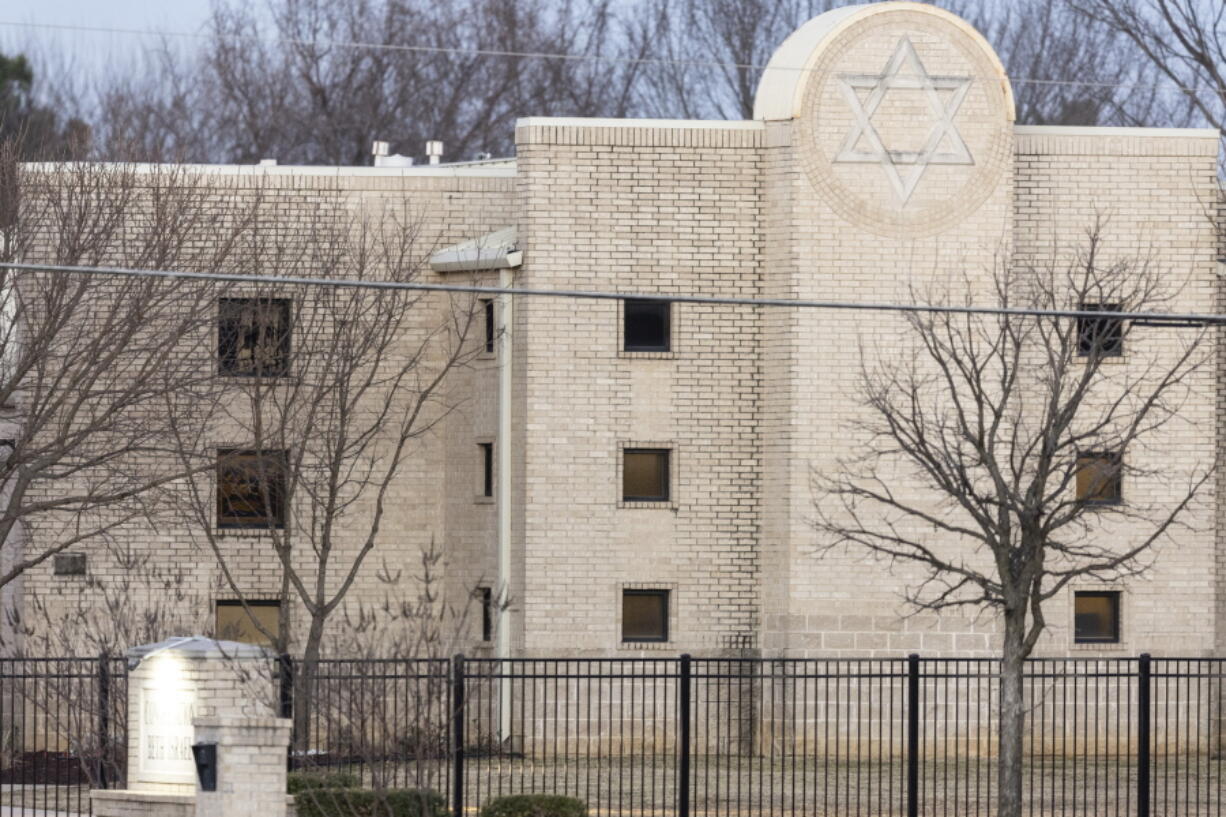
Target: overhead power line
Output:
{"points": [[545, 55], [1177, 319]]}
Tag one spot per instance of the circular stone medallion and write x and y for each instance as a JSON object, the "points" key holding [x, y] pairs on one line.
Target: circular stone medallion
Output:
{"points": [[905, 124]]}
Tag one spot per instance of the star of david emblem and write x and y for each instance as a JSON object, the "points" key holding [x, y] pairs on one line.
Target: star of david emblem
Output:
{"points": [[943, 112]]}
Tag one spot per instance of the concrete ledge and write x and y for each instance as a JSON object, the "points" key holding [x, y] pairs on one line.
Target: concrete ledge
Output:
{"points": [[1083, 141], [644, 133], [128, 803]]}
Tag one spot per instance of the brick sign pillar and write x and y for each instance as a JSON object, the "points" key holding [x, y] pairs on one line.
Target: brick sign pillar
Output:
{"points": [[250, 766], [185, 691]]}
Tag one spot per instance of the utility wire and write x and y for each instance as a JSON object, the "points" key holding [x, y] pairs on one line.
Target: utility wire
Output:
{"points": [[544, 55], [1186, 319]]}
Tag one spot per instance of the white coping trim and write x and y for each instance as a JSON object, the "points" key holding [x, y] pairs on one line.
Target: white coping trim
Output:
{"points": [[661, 124], [504, 169], [1086, 130], [496, 250]]}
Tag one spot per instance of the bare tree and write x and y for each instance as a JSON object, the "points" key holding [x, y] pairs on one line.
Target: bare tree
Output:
{"points": [[1067, 70], [711, 52], [987, 449], [88, 362], [327, 394], [1183, 40], [315, 82]]}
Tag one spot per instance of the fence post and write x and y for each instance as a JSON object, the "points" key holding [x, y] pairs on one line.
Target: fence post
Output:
{"points": [[285, 674], [104, 717], [1144, 711], [285, 678], [683, 738], [457, 735], [913, 713]]}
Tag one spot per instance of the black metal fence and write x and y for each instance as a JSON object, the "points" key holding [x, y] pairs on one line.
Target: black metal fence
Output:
{"points": [[684, 736], [63, 731], [690, 736]]}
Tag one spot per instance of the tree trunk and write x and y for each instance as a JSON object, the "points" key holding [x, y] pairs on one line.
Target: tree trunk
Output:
{"points": [[304, 684], [1012, 717]]}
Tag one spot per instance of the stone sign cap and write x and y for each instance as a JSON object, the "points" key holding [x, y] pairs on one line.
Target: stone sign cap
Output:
{"points": [[199, 646]]}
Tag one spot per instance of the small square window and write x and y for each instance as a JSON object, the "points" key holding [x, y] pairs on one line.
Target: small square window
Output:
{"points": [[1099, 479], [645, 475], [491, 328], [70, 564], [235, 624], [647, 326], [253, 337], [487, 468], [1096, 618], [644, 615], [1103, 337], [251, 489]]}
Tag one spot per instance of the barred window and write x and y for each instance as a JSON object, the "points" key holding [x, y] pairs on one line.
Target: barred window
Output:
{"points": [[1103, 337], [253, 337], [251, 487]]}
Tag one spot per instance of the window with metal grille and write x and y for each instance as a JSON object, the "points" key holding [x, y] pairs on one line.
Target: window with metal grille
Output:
{"points": [[1103, 337], [251, 487], [253, 337]]}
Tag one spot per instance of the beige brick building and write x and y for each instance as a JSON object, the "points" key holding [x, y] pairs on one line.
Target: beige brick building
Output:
{"points": [[883, 157]]}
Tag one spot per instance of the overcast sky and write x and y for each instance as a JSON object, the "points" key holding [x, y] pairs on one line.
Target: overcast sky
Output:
{"points": [[94, 50]]}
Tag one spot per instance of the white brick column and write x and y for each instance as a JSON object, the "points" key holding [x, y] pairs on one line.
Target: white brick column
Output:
{"points": [[251, 755]]}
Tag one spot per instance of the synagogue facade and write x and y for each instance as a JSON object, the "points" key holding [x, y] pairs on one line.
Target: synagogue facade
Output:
{"points": [[638, 475]]}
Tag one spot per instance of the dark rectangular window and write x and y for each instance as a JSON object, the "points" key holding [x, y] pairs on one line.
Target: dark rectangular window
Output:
{"points": [[70, 564], [487, 466], [251, 489], [487, 613], [1096, 618], [647, 326], [233, 623], [253, 337], [1098, 478], [490, 326], [645, 475], [644, 615], [1103, 337]]}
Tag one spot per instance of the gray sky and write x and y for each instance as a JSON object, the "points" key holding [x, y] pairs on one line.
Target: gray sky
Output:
{"points": [[94, 50]]}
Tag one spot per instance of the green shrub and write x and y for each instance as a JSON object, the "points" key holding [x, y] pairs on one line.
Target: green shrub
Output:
{"points": [[368, 803], [535, 805], [302, 781]]}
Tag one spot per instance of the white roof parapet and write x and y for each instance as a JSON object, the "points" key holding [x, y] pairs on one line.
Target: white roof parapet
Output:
{"points": [[661, 124], [496, 250], [492, 168]]}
